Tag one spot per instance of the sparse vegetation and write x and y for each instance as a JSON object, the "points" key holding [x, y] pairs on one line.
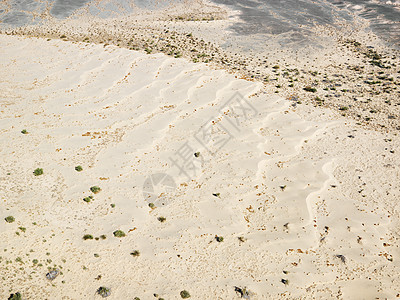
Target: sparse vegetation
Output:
{"points": [[219, 239], [161, 219], [16, 296], [104, 291], [88, 198], [243, 292], [310, 89], [88, 237], [95, 189], [184, 294], [9, 219], [38, 171], [78, 168], [285, 281], [135, 253], [23, 131], [119, 233]]}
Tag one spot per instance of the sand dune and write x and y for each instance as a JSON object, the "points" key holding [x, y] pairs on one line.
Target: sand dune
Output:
{"points": [[306, 203]]}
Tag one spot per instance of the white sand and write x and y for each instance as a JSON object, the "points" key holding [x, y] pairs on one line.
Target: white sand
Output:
{"points": [[292, 183]]}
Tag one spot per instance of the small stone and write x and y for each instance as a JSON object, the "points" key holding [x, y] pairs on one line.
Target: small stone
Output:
{"points": [[52, 274]]}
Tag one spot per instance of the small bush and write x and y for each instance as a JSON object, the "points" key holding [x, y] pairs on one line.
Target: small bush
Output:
{"points": [[285, 281], [38, 171], [78, 168], [310, 89], [95, 189], [24, 131], [219, 239], [16, 296], [135, 253], [103, 236], [9, 219], [161, 219], [103, 291], [88, 199], [185, 294], [119, 233], [151, 205], [88, 237]]}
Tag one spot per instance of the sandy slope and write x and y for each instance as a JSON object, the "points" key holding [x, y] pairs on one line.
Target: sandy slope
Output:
{"points": [[298, 186]]}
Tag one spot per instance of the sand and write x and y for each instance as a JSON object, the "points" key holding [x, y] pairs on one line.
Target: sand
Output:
{"points": [[252, 190]]}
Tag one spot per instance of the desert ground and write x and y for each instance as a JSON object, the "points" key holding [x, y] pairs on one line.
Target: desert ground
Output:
{"points": [[163, 174]]}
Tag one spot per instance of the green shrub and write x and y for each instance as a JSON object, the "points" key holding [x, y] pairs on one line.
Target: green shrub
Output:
{"points": [[119, 233], [95, 189], [161, 219], [88, 199], [103, 291], [135, 253], [88, 237], [219, 239], [78, 168], [310, 89], [38, 171], [185, 294], [24, 131], [16, 296], [9, 219]]}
